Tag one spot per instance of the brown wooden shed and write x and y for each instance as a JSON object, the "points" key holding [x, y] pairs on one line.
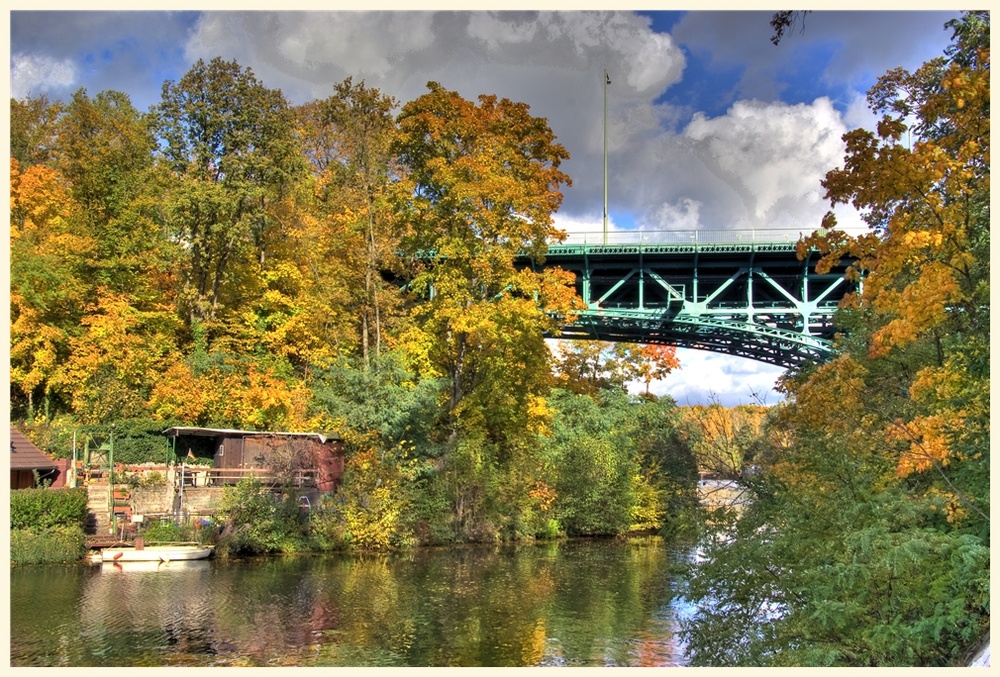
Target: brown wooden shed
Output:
{"points": [[26, 459], [322, 456]]}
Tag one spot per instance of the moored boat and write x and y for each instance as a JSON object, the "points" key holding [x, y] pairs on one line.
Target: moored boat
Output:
{"points": [[155, 553]]}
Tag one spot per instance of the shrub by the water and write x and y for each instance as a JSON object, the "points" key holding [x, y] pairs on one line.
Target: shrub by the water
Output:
{"points": [[41, 509], [258, 522], [166, 531], [46, 525], [59, 544]]}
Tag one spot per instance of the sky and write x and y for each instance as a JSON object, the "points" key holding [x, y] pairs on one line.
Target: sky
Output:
{"points": [[709, 125]]}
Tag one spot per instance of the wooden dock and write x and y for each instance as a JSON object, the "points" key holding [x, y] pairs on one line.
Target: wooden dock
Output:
{"points": [[99, 541]]}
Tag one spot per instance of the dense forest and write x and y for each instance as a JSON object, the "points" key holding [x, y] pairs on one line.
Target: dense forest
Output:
{"points": [[229, 259]]}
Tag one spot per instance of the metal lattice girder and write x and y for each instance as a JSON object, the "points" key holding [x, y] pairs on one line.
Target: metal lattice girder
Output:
{"points": [[744, 298]]}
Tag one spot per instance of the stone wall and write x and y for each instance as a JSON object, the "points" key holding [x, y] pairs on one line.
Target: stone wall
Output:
{"points": [[200, 500], [164, 498], [154, 500]]}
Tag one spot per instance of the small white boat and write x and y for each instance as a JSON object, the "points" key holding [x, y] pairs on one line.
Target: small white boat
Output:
{"points": [[155, 553]]}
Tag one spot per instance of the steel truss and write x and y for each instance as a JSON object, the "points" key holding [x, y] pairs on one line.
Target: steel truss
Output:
{"points": [[750, 299]]}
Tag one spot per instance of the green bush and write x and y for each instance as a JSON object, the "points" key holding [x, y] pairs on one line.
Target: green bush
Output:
{"points": [[326, 526], [166, 531], [141, 441], [374, 503], [58, 544], [431, 514], [41, 509], [257, 522], [550, 530], [594, 466], [146, 479]]}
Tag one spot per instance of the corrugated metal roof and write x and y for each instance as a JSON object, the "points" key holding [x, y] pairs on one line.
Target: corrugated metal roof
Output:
{"points": [[24, 455], [177, 431]]}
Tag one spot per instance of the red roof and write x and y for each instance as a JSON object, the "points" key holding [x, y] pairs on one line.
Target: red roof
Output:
{"points": [[24, 455]]}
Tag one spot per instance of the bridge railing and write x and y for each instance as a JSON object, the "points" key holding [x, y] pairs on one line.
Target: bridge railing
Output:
{"points": [[686, 236]]}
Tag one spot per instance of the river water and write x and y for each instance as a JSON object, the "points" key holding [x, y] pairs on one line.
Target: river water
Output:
{"points": [[576, 603]]}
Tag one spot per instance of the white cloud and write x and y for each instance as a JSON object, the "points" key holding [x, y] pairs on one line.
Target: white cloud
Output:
{"points": [[684, 214], [758, 166], [497, 35], [770, 157], [32, 75], [587, 228], [858, 114], [305, 53], [706, 376]]}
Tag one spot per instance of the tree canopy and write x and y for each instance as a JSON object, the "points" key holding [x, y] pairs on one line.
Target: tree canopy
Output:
{"points": [[867, 539], [228, 259]]}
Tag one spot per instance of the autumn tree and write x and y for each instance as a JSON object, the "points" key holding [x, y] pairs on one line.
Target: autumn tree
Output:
{"points": [[106, 153], [482, 182], [33, 126], [724, 438], [347, 138], [233, 391], [591, 366], [925, 265], [867, 542], [114, 363], [229, 143], [485, 182], [51, 260]]}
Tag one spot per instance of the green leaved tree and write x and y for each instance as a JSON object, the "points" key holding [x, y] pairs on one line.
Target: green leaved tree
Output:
{"points": [[867, 540]]}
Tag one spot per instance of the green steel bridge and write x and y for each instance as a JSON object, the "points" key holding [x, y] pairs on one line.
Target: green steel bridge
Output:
{"points": [[742, 293]]}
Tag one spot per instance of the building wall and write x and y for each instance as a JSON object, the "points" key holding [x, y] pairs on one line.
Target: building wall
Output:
{"points": [[200, 500], [261, 451], [25, 479], [155, 500], [64, 466]]}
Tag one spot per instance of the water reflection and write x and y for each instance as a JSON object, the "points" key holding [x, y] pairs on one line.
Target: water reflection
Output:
{"points": [[566, 603]]}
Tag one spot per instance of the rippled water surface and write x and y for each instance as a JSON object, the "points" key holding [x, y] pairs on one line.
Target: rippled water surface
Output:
{"points": [[569, 603]]}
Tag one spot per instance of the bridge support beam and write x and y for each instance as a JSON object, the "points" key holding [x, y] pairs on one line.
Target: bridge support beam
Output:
{"points": [[750, 299]]}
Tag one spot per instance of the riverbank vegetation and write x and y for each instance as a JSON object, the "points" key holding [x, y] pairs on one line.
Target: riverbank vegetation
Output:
{"points": [[47, 526], [867, 537]]}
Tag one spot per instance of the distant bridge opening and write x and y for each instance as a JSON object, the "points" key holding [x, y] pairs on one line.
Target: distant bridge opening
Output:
{"points": [[742, 293]]}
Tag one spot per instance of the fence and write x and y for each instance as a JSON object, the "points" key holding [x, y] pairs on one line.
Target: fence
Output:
{"points": [[686, 236], [200, 476]]}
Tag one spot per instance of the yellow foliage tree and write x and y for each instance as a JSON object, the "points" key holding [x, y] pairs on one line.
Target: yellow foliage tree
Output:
{"points": [[921, 181], [50, 256], [112, 366]]}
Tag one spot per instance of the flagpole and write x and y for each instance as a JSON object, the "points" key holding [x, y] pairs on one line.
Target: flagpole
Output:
{"points": [[607, 81]]}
